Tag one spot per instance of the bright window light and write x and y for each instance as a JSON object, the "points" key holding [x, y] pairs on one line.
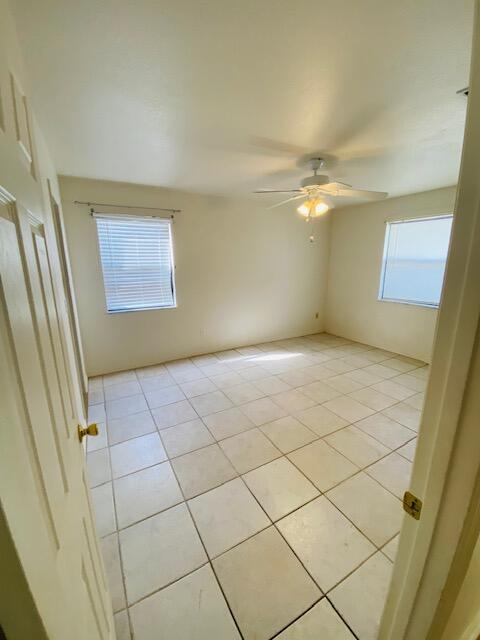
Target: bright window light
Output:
{"points": [[414, 260], [137, 262]]}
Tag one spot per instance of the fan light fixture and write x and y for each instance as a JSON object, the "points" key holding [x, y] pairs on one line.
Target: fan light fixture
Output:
{"points": [[313, 208]]}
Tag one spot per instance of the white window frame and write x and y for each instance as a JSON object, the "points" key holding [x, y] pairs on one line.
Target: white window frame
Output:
{"points": [[169, 220], [388, 224]]}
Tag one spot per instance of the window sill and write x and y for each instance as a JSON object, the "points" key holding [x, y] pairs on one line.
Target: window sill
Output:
{"points": [[113, 313], [425, 305]]}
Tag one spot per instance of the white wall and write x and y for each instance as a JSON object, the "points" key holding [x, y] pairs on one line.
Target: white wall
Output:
{"points": [[352, 308], [244, 274]]}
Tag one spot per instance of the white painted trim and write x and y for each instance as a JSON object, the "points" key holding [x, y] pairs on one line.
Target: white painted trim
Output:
{"points": [[439, 545]]}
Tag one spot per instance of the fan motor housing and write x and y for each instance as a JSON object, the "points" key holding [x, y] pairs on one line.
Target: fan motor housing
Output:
{"points": [[315, 181]]}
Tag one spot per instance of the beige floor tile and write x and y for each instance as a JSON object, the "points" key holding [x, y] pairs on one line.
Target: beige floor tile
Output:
{"points": [[186, 437], [198, 387], [122, 626], [404, 414], [393, 389], [389, 432], [293, 400], [150, 371], [126, 406], [348, 408], [154, 383], [98, 467], [95, 383], [322, 464], [408, 450], [242, 363], [210, 403], [118, 377], [262, 411], [100, 441], [138, 453], [343, 384], [393, 472], [163, 397], [321, 622], [191, 609], [254, 374], [319, 391], [357, 446], [212, 370], [113, 569], [280, 487], [103, 509], [202, 470], [381, 371], [227, 423], [187, 374], [264, 584], [272, 385], [421, 372], [319, 372], [158, 551], [288, 433], [242, 393], [249, 450], [414, 383], [141, 494], [226, 516], [328, 544], [297, 378], [400, 365], [122, 390], [362, 607], [228, 379], [321, 420], [97, 413], [377, 355], [390, 549], [204, 360], [128, 427], [373, 509], [96, 396], [373, 399], [416, 401], [338, 365], [363, 377], [173, 414]]}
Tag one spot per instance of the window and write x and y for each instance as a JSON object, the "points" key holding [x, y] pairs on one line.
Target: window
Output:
{"points": [[137, 262], [414, 260]]}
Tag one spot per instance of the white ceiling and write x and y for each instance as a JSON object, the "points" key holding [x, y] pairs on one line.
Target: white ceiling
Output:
{"points": [[225, 96]]}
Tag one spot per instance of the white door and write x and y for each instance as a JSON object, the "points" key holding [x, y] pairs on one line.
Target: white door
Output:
{"points": [[44, 492]]}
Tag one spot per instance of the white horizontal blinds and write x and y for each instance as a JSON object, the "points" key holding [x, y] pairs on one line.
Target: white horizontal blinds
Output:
{"points": [[136, 255], [414, 260]]}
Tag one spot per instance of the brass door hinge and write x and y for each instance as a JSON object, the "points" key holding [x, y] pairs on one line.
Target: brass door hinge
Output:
{"points": [[412, 505]]}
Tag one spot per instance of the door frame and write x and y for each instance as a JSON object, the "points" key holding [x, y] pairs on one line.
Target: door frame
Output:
{"points": [[71, 304], [434, 552]]}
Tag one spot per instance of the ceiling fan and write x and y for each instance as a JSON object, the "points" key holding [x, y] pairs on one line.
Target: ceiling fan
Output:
{"points": [[317, 191]]}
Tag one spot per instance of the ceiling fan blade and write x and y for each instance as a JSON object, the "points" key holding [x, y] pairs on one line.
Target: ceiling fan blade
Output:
{"points": [[333, 187], [338, 189], [277, 191], [279, 204]]}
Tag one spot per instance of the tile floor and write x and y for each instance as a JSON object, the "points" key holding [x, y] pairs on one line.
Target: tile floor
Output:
{"points": [[254, 493]]}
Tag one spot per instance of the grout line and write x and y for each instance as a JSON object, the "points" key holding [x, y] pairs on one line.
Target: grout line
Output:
{"points": [[284, 455], [120, 556], [208, 557], [169, 460]]}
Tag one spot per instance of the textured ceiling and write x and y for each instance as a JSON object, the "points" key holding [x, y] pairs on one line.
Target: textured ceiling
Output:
{"points": [[226, 96]]}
